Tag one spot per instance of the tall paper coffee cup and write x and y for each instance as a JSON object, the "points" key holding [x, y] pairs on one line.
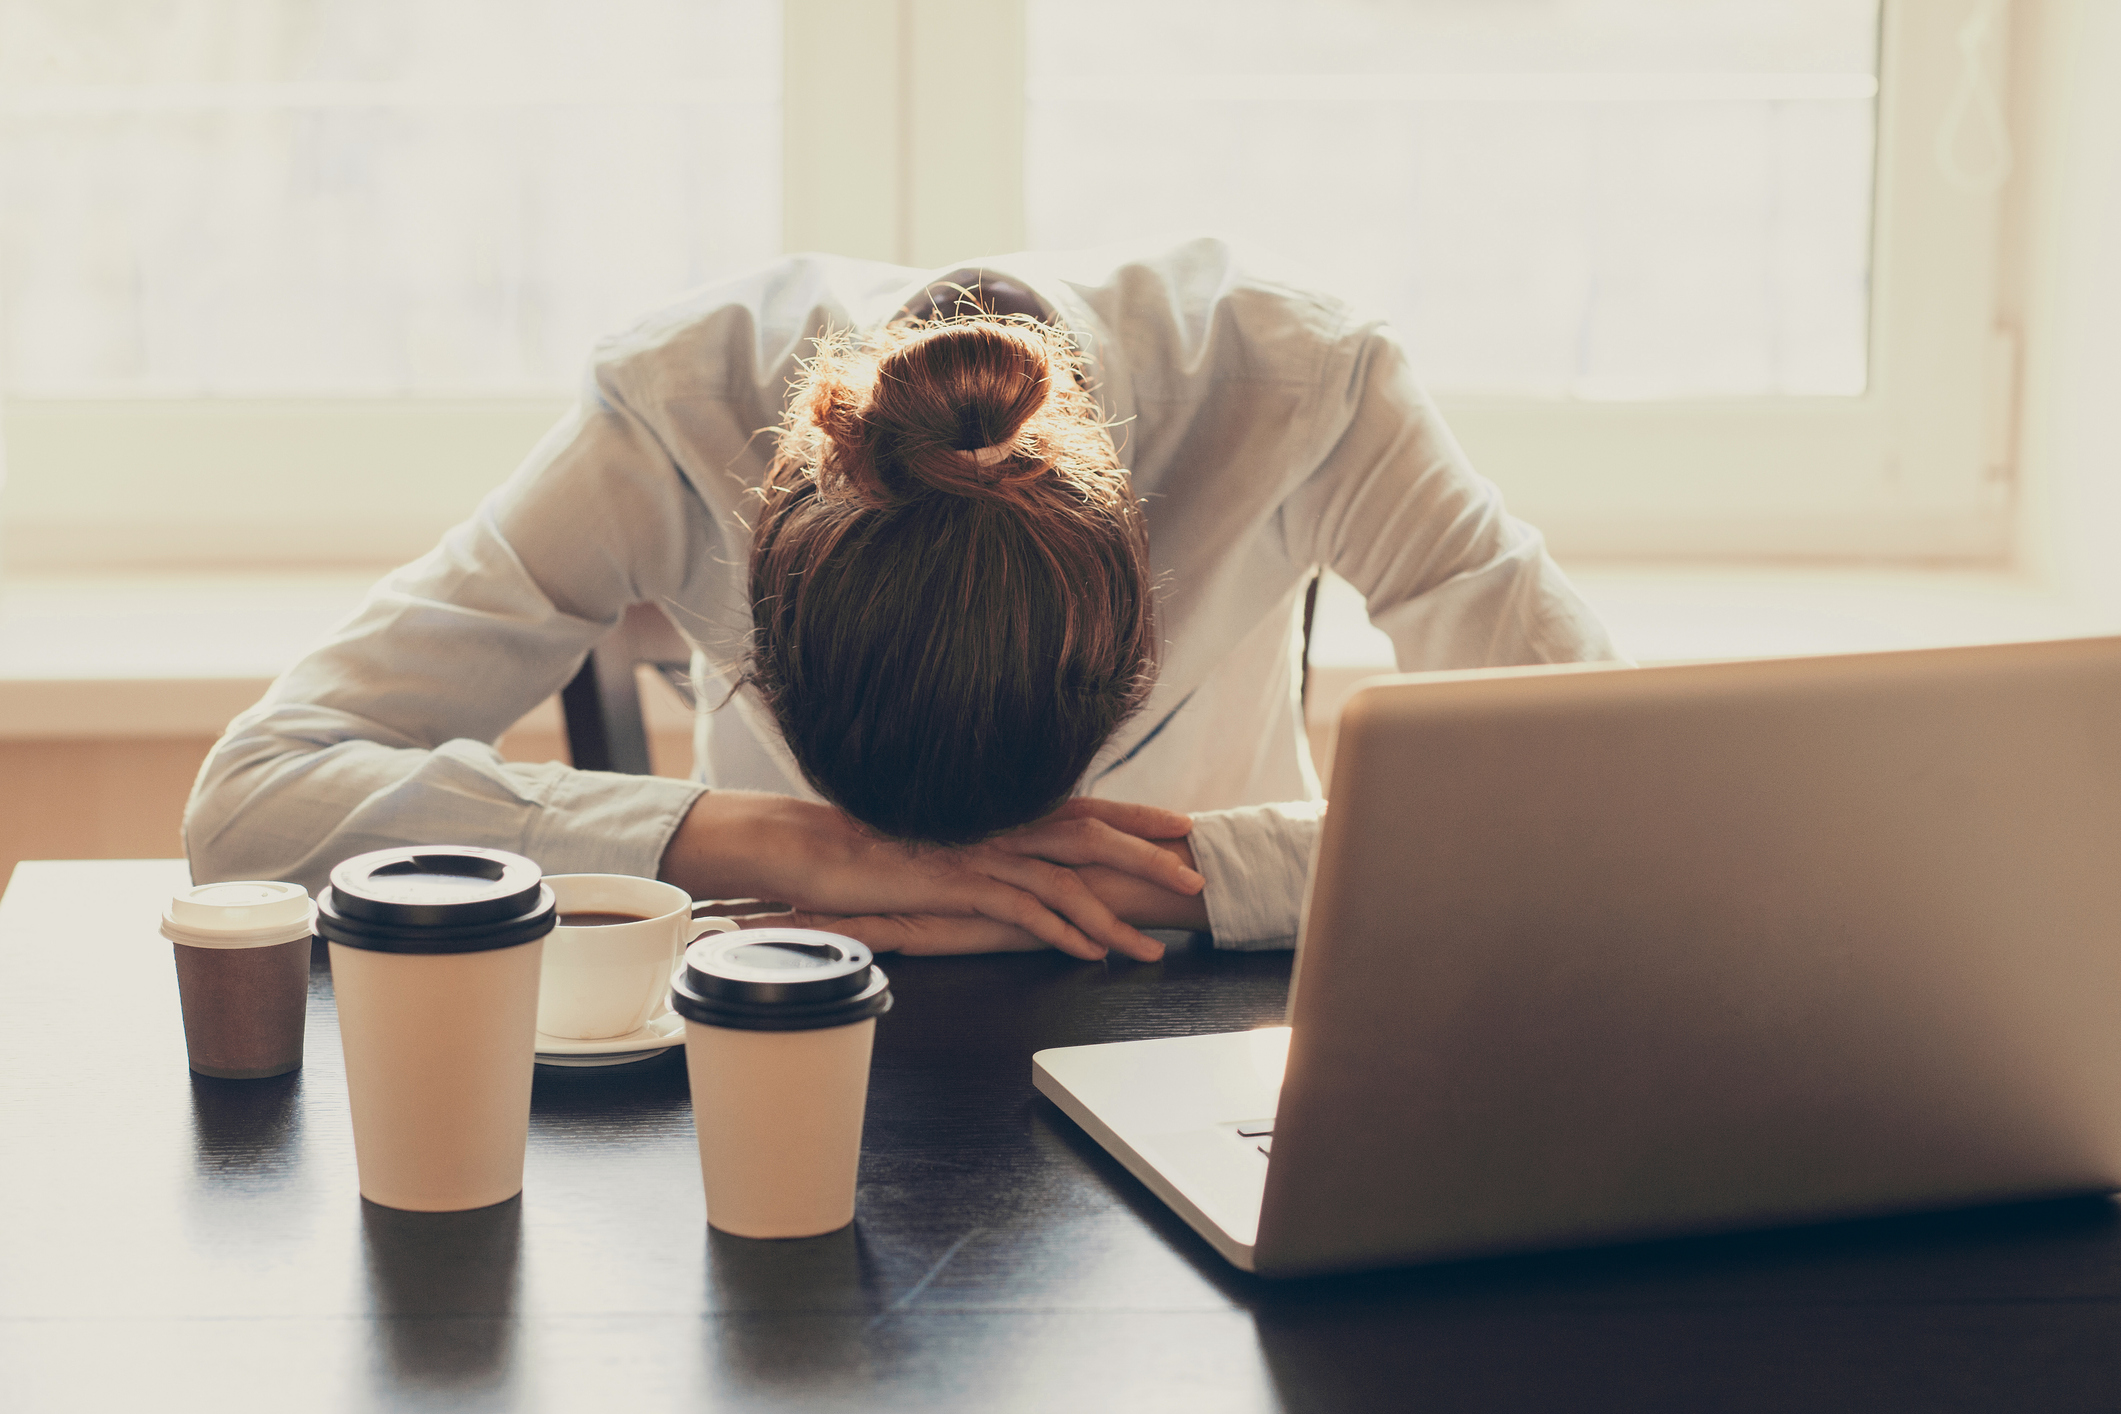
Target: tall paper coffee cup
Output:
{"points": [[435, 954], [242, 953], [778, 1028]]}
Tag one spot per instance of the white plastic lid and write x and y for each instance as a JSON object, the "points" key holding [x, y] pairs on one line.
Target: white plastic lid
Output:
{"points": [[245, 913]]}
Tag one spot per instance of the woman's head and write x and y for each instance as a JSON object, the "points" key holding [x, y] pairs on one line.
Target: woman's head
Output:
{"points": [[951, 606]]}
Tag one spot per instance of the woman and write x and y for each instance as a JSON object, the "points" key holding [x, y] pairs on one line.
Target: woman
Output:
{"points": [[934, 598]]}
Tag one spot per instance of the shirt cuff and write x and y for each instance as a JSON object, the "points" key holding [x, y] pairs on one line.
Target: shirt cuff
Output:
{"points": [[1256, 860], [605, 822]]}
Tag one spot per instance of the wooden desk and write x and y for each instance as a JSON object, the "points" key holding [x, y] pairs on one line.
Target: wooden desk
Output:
{"points": [[174, 1242]]}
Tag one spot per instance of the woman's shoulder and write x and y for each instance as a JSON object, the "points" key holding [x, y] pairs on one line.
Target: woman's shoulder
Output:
{"points": [[733, 338], [1204, 307]]}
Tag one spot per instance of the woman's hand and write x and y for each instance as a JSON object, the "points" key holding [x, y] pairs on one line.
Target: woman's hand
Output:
{"points": [[1026, 882], [1132, 897]]}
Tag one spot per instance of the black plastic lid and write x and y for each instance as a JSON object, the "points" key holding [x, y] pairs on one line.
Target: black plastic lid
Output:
{"points": [[779, 979], [436, 899]]}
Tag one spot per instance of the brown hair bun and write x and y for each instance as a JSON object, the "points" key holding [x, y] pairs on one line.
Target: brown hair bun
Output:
{"points": [[951, 608], [909, 411]]}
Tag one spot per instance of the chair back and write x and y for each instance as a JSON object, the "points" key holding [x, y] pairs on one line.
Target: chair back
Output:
{"points": [[606, 730]]}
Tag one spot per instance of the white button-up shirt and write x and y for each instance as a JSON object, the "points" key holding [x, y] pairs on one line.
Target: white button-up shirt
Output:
{"points": [[1269, 431]]}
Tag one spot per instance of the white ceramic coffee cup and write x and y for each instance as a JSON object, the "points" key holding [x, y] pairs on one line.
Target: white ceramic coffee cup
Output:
{"points": [[611, 979]]}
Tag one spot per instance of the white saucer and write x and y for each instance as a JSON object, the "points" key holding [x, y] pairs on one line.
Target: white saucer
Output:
{"points": [[659, 1035]]}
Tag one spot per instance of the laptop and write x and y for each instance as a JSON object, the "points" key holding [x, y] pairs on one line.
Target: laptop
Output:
{"points": [[1593, 954]]}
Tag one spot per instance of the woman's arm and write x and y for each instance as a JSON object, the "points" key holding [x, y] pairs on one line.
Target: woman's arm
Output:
{"points": [[384, 734], [1148, 903], [1067, 881], [1396, 508], [1150, 883]]}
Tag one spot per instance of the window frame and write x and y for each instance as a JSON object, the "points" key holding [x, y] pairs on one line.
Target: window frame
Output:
{"points": [[903, 140], [1916, 468]]}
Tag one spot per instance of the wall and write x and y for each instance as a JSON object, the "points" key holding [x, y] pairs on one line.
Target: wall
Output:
{"points": [[2063, 269]]}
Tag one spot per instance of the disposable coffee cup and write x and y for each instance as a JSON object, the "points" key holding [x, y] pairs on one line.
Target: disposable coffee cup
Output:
{"points": [[778, 1028], [242, 951], [435, 953], [607, 964]]}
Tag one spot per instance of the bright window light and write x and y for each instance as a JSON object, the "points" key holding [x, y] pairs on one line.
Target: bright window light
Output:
{"points": [[1600, 199], [368, 197]]}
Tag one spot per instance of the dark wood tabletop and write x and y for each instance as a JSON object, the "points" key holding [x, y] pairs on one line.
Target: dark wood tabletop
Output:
{"points": [[169, 1241]]}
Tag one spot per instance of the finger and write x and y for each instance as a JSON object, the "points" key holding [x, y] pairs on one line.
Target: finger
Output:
{"points": [[930, 934], [991, 897], [1087, 841], [1057, 888], [802, 918], [952, 934], [939, 935], [1023, 909], [968, 881], [1150, 822], [880, 933]]}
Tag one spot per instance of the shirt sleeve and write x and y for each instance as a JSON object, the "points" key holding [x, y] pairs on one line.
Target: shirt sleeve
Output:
{"points": [[1396, 509], [1257, 861], [1454, 580], [385, 734]]}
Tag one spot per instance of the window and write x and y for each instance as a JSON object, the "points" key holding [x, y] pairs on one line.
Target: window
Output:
{"points": [[1688, 279], [1630, 243], [1632, 199], [370, 198], [286, 279]]}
